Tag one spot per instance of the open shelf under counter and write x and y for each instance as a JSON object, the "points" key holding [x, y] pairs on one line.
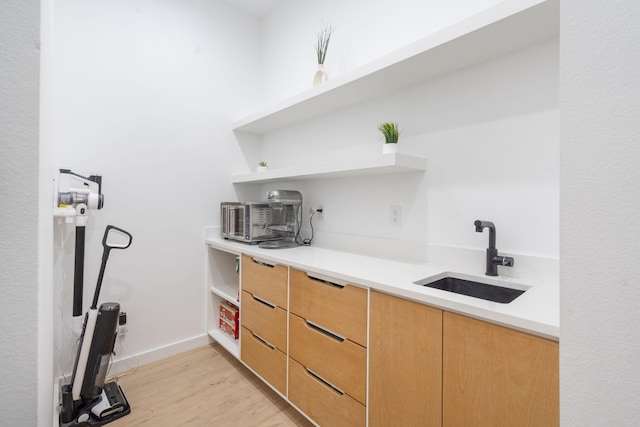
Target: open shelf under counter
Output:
{"points": [[227, 292], [379, 164], [500, 30], [229, 344]]}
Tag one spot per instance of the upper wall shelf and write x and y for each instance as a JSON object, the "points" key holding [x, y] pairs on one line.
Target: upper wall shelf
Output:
{"points": [[380, 164], [507, 27]]}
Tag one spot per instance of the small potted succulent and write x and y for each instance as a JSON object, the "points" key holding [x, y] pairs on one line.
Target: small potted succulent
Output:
{"points": [[391, 134], [262, 167]]}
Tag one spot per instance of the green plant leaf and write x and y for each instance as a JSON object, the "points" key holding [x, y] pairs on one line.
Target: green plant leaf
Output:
{"points": [[390, 131], [324, 36]]}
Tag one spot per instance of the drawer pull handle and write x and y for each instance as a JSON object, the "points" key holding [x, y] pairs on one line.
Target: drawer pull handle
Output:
{"points": [[325, 382], [325, 281], [263, 263], [325, 331], [262, 301], [263, 341]]}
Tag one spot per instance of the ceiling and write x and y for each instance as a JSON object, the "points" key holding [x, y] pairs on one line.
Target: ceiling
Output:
{"points": [[258, 8]]}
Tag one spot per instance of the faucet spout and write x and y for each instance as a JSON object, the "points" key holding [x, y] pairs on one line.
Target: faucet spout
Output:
{"points": [[481, 225], [493, 259]]}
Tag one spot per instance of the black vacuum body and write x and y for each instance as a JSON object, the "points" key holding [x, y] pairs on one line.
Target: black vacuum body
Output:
{"points": [[99, 403], [87, 400], [104, 339]]}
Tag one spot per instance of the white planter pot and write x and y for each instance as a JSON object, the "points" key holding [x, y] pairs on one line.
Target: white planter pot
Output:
{"points": [[389, 148], [321, 75]]}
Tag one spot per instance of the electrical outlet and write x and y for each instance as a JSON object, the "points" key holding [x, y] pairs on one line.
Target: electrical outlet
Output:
{"points": [[318, 212], [395, 215], [122, 323]]}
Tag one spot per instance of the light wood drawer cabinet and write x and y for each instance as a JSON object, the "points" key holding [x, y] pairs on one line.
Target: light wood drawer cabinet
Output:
{"points": [[264, 280], [264, 358], [405, 363], [264, 319], [339, 361], [325, 405], [341, 309], [496, 376]]}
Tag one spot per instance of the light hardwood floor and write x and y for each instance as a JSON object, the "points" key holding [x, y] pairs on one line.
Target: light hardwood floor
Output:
{"points": [[203, 387]]}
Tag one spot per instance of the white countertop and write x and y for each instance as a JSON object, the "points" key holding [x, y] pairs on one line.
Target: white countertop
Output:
{"points": [[536, 311]]}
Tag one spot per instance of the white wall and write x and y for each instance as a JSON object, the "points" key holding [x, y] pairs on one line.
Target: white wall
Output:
{"points": [[364, 31], [489, 133], [47, 412], [599, 235], [600, 231], [143, 93], [19, 256]]}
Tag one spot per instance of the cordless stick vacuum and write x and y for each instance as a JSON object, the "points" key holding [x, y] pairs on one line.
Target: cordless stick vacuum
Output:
{"points": [[87, 400], [75, 195]]}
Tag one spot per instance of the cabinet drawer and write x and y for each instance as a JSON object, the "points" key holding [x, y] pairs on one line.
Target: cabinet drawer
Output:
{"points": [[265, 280], [325, 405], [269, 362], [341, 362], [341, 309], [267, 321]]}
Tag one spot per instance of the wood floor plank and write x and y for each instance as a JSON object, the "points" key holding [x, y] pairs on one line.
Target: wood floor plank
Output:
{"points": [[203, 387]]}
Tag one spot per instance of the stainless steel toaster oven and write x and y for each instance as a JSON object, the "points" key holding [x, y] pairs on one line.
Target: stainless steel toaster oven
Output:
{"points": [[250, 222]]}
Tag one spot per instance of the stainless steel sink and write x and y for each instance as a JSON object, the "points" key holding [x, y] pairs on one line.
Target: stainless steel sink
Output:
{"points": [[486, 291]]}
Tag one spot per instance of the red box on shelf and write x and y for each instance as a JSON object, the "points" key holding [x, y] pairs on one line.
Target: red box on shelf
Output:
{"points": [[229, 312], [229, 328]]}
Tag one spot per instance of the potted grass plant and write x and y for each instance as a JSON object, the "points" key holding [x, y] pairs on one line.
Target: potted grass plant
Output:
{"points": [[391, 134], [322, 44]]}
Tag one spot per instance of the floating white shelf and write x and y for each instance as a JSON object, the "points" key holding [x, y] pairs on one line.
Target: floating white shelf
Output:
{"points": [[507, 27], [379, 164]]}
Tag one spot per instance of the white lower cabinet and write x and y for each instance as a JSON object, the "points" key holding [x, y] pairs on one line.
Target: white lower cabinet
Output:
{"points": [[223, 285]]}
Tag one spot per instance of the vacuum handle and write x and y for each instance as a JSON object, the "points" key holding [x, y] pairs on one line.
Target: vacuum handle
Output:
{"points": [[106, 244]]}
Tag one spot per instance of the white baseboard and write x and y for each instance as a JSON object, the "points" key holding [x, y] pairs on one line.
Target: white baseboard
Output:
{"points": [[123, 364]]}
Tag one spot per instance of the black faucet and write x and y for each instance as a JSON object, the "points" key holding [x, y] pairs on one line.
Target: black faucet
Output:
{"points": [[493, 259]]}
